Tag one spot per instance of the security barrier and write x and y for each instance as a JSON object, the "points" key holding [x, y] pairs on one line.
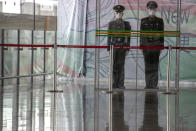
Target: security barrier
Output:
{"points": [[169, 48]]}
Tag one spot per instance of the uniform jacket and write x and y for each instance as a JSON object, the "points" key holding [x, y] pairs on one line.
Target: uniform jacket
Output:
{"points": [[151, 24], [119, 25]]}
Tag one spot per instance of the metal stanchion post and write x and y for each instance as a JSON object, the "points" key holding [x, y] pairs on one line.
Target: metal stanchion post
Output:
{"points": [[32, 55], [110, 87], [55, 71], [55, 64], [44, 77], [111, 67], [168, 68], [2, 58], [168, 91], [178, 44], [96, 79], [18, 57]]}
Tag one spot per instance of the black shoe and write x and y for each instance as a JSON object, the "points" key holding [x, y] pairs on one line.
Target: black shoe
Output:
{"points": [[147, 87]]}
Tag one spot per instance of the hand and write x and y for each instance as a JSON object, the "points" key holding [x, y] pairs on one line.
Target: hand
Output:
{"points": [[127, 52]]}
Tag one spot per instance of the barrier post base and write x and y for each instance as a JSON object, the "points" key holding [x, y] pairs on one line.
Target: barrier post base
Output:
{"points": [[170, 92], [114, 91], [55, 91]]}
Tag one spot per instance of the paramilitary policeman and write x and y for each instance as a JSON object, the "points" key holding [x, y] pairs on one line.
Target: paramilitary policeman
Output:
{"points": [[118, 54], [151, 56]]}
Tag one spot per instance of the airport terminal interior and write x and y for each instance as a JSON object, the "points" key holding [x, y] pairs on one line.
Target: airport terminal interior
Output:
{"points": [[63, 66]]}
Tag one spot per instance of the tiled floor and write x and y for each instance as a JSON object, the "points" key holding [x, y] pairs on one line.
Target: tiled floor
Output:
{"points": [[81, 108]]}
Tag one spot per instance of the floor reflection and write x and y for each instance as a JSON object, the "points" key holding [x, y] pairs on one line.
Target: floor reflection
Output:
{"points": [[150, 120], [32, 108], [118, 122]]}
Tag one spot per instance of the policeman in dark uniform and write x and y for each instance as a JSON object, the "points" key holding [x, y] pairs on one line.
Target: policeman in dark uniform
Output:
{"points": [[151, 56], [118, 54]]}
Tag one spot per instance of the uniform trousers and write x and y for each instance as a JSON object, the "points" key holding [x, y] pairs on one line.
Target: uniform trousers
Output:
{"points": [[118, 68], [151, 60]]}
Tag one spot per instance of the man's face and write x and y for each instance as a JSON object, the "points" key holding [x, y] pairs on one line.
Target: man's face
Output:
{"points": [[118, 15], [151, 12]]}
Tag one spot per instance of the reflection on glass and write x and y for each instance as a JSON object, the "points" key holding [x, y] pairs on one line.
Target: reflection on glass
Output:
{"points": [[24, 12], [11, 6], [44, 7], [50, 39], [45, 14], [25, 54], [10, 36], [150, 120], [39, 52], [25, 36], [10, 55], [118, 122], [38, 37]]}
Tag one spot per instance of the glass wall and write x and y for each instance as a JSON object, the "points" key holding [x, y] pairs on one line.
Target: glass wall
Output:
{"points": [[10, 54], [28, 14], [27, 22], [49, 53], [20, 17], [76, 29], [25, 54]]}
